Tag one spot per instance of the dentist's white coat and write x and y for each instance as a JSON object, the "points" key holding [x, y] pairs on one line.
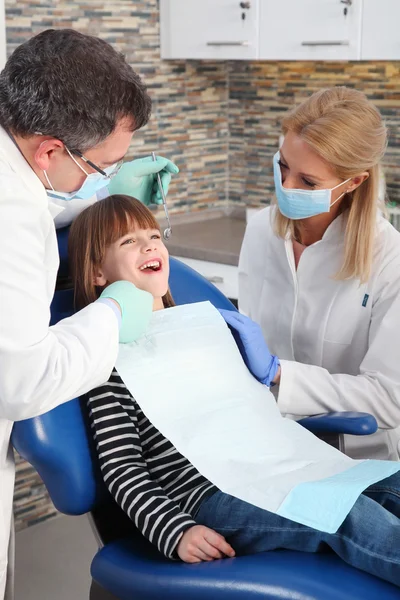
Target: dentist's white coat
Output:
{"points": [[336, 354], [40, 366]]}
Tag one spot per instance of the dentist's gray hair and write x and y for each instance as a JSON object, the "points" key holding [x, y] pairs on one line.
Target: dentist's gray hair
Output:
{"points": [[72, 87]]}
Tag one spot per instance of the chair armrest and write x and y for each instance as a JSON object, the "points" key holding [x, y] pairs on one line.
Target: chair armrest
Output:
{"points": [[353, 423]]}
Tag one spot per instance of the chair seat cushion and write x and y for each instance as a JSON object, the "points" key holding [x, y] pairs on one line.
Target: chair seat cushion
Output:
{"points": [[133, 570]]}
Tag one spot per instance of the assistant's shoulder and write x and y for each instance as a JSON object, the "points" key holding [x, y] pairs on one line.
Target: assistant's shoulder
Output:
{"points": [[262, 220], [259, 231], [387, 257], [388, 239]]}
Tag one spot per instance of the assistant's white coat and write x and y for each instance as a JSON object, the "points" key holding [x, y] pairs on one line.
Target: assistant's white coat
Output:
{"points": [[336, 354]]}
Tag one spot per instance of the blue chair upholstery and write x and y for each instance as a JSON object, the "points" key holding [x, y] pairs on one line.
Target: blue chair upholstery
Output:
{"points": [[350, 423], [130, 568]]}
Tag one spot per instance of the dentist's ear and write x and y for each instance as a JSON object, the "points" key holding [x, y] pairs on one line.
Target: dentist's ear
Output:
{"points": [[45, 150]]}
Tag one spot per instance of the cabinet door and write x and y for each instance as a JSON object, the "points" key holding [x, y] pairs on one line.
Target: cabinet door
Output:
{"points": [[381, 30], [310, 29], [214, 29], [224, 277]]}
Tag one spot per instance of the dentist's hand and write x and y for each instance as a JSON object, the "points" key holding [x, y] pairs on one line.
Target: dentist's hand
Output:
{"points": [[253, 348], [136, 309], [138, 178]]}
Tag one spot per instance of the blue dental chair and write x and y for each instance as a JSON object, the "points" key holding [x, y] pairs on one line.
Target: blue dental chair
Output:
{"points": [[127, 567]]}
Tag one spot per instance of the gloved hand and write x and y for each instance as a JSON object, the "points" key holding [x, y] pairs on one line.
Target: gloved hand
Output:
{"points": [[136, 309], [250, 341], [138, 178]]}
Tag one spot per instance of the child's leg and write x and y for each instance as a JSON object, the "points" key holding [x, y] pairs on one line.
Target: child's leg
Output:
{"points": [[387, 493], [369, 538]]}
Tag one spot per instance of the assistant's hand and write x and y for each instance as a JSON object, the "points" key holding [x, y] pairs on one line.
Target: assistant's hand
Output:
{"points": [[138, 178], [253, 348], [199, 543], [136, 309]]}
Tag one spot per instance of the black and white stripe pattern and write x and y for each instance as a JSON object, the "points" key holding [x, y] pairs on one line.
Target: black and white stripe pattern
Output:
{"points": [[155, 485]]}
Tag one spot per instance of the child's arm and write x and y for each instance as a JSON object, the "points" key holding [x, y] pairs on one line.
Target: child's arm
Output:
{"points": [[113, 417]]}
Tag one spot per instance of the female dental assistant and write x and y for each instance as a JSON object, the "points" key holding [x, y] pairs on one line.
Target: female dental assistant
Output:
{"points": [[69, 105], [320, 273]]}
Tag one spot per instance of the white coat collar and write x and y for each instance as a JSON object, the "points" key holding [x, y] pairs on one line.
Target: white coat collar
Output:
{"points": [[12, 155], [336, 230], [334, 234]]}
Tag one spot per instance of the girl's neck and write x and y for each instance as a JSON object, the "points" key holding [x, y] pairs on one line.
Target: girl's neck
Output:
{"points": [[158, 304]]}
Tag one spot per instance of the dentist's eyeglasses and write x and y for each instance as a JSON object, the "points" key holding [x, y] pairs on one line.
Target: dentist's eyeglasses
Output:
{"points": [[109, 172]]}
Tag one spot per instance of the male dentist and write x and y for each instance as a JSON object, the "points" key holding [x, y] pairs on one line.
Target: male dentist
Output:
{"points": [[69, 105]]}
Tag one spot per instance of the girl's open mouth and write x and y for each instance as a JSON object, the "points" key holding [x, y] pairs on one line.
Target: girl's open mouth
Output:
{"points": [[152, 266]]}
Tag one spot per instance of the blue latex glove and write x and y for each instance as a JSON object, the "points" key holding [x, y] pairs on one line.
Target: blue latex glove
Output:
{"points": [[250, 341], [138, 178], [136, 309]]}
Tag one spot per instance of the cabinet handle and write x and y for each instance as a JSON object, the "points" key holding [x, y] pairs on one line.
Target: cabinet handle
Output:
{"points": [[342, 43], [228, 43], [215, 279]]}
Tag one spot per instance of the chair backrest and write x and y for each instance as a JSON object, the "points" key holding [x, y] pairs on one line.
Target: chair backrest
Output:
{"points": [[57, 443]]}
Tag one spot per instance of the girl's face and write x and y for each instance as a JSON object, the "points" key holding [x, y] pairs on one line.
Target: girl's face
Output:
{"points": [[140, 257]]}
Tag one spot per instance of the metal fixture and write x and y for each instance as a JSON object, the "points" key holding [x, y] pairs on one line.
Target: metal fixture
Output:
{"points": [[338, 43], [244, 43]]}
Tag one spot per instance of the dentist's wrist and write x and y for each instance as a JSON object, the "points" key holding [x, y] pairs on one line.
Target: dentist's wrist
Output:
{"points": [[115, 307]]}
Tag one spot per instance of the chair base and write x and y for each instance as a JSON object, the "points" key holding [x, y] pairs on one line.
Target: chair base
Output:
{"points": [[99, 593]]}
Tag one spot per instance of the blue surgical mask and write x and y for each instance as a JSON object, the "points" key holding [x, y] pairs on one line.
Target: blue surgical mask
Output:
{"points": [[92, 184], [301, 204]]}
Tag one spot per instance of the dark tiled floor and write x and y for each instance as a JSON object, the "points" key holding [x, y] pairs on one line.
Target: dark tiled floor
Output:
{"points": [[53, 560]]}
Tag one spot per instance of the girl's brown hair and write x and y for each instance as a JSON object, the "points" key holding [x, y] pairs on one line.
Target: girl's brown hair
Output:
{"points": [[347, 130], [93, 231]]}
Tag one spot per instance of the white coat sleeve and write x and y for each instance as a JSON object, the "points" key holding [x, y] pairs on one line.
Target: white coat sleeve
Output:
{"points": [[309, 390], [249, 255], [41, 366], [243, 277]]}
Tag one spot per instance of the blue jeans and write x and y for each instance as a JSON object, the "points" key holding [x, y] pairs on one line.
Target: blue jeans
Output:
{"points": [[368, 539]]}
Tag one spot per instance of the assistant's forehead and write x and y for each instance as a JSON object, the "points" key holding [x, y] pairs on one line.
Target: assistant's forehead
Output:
{"points": [[303, 159]]}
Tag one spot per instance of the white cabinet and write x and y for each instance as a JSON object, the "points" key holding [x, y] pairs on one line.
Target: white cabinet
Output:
{"points": [[310, 29], [381, 30], [280, 29], [214, 29], [224, 277]]}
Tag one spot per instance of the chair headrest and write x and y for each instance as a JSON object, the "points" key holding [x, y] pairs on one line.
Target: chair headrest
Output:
{"points": [[62, 240]]}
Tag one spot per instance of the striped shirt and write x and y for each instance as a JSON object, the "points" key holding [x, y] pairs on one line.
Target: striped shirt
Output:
{"points": [[158, 488]]}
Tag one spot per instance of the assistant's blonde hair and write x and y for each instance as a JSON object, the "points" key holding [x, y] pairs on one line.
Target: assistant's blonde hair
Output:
{"points": [[346, 129]]}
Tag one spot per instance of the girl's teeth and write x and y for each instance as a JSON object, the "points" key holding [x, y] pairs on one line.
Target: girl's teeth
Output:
{"points": [[155, 264]]}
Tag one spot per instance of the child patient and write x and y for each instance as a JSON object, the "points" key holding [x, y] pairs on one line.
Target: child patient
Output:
{"points": [[169, 501]]}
